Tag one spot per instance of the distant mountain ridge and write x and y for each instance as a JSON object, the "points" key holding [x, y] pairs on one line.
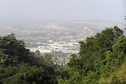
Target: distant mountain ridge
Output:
{"points": [[94, 23], [58, 26]]}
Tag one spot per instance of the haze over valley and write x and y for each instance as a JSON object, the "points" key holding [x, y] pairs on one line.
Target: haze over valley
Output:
{"points": [[55, 37]]}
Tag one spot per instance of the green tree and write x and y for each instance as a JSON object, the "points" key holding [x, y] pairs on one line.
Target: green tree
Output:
{"points": [[26, 74], [17, 64], [48, 59], [14, 50], [97, 55]]}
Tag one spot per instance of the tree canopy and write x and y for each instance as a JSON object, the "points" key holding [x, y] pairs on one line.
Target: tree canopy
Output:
{"points": [[20, 66], [99, 56]]}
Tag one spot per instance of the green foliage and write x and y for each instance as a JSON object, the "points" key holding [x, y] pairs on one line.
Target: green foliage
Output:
{"points": [[99, 56], [47, 59], [16, 64], [14, 51], [101, 60], [117, 77], [26, 74]]}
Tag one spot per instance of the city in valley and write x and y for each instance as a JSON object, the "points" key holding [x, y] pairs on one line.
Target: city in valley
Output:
{"points": [[60, 40]]}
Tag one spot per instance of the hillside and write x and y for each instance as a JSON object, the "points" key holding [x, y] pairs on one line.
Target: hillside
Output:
{"points": [[101, 60], [80, 24]]}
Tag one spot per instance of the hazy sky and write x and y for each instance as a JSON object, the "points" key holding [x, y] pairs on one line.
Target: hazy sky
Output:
{"points": [[33, 11]]}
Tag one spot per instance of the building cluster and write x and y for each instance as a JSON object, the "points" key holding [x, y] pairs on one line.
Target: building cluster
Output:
{"points": [[50, 38]]}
